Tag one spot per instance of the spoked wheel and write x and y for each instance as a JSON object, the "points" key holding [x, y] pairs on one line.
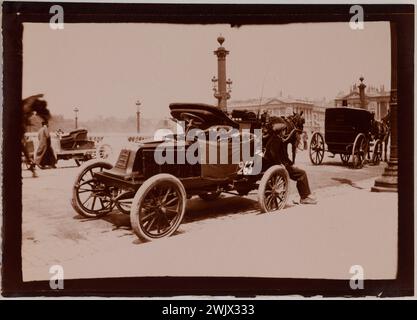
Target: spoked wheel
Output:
{"points": [[316, 150], [158, 207], [90, 198], [345, 158], [210, 196], [377, 154], [359, 151], [124, 201], [273, 189]]}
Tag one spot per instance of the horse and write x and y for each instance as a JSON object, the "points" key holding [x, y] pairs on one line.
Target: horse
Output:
{"points": [[32, 105], [381, 130], [291, 133]]}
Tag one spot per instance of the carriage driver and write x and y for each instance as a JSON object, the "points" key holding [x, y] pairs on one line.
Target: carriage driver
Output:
{"points": [[276, 152]]}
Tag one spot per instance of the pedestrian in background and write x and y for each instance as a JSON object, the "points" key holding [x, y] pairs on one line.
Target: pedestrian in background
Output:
{"points": [[45, 156], [305, 139]]}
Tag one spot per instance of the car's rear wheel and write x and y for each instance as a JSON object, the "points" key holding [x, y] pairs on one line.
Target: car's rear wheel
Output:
{"points": [[158, 207], [273, 189], [124, 201], [90, 198]]}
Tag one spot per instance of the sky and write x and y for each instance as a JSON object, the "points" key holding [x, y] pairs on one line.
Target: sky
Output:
{"points": [[103, 69]]}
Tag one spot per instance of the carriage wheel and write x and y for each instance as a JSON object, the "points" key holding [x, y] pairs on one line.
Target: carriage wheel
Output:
{"points": [[316, 150], [124, 201], [273, 189], [359, 151], [377, 154], [90, 198], [158, 207], [345, 158], [210, 196]]}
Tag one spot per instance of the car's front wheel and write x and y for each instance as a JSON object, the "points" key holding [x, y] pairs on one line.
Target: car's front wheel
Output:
{"points": [[273, 189], [158, 207]]}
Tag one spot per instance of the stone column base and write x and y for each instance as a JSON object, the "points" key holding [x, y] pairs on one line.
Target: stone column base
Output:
{"points": [[388, 182]]}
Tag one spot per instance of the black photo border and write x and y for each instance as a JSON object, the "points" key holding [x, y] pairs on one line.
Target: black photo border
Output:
{"points": [[16, 13]]}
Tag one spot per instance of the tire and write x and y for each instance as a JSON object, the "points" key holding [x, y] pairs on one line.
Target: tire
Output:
{"points": [[345, 158], [377, 153], [359, 151], [164, 194], [85, 186], [269, 198], [210, 196], [316, 149]]}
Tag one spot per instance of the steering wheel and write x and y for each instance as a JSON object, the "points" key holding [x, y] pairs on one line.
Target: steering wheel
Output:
{"points": [[191, 118]]}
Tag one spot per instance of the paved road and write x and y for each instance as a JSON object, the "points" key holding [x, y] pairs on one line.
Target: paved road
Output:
{"points": [[54, 234]]}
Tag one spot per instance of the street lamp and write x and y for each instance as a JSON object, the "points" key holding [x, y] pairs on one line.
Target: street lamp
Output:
{"points": [[138, 116], [76, 117]]}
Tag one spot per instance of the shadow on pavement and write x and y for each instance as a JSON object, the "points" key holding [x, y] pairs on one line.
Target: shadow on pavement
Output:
{"points": [[348, 182]]}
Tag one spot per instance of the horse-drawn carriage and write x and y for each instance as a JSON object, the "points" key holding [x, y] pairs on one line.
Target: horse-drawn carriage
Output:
{"points": [[154, 193], [349, 132]]}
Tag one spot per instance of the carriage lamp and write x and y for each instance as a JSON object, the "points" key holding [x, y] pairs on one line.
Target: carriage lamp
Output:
{"points": [[229, 86], [76, 117], [214, 82], [138, 103]]}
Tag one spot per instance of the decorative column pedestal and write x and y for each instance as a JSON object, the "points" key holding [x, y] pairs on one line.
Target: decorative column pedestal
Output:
{"points": [[388, 182]]}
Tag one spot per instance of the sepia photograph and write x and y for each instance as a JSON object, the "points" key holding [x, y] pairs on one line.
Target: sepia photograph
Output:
{"points": [[163, 149]]}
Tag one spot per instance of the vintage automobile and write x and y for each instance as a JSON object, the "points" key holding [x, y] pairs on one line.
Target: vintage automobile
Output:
{"points": [[154, 195], [74, 145], [347, 133]]}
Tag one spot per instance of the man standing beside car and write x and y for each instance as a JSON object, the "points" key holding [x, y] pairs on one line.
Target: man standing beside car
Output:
{"points": [[276, 153]]}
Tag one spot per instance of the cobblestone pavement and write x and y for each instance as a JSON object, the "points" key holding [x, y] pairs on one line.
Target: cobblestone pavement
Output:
{"points": [[227, 237]]}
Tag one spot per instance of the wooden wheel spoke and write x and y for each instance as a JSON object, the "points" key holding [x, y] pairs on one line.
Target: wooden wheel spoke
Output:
{"points": [[94, 202], [150, 224], [164, 199], [89, 197], [148, 216], [172, 201], [269, 200], [171, 211]]}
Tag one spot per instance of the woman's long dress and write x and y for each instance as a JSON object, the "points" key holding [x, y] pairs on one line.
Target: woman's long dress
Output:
{"points": [[44, 154]]}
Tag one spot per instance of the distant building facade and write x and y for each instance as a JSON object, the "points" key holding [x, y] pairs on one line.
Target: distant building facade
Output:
{"points": [[376, 100], [313, 112]]}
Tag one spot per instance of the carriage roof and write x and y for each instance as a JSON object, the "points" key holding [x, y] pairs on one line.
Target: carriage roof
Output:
{"points": [[342, 125]]}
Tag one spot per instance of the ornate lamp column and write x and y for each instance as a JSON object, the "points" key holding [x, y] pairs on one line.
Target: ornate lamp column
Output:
{"points": [[388, 182], [138, 116], [76, 117], [362, 96], [222, 92]]}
